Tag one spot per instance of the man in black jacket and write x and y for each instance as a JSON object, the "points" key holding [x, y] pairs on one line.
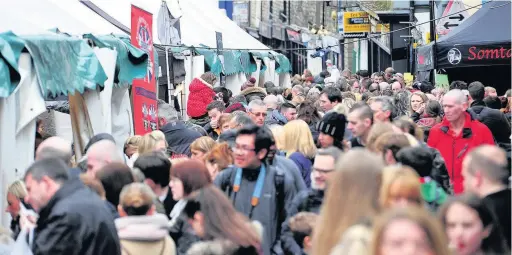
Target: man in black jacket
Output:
{"points": [[494, 119], [310, 200], [72, 218], [177, 135]]}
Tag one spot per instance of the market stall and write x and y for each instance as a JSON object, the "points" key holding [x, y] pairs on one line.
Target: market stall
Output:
{"points": [[478, 49]]}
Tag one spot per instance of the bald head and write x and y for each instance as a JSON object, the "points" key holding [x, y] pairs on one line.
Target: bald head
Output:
{"points": [[456, 95], [100, 154], [54, 147], [489, 161]]}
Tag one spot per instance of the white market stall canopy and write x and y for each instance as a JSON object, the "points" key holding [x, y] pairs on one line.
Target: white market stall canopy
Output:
{"points": [[199, 21], [36, 16]]}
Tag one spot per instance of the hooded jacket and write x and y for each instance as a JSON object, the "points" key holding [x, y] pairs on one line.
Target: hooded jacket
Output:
{"points": [[253, 91], [200, 95], [267, 211], [493, 119], [179, 138], [224, 246], [144, 235], [454, 148], [275, 118]]}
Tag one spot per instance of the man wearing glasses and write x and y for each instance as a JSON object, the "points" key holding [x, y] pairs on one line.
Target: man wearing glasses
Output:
{"points": [[259, 190], [258, 112], [310, 200]]}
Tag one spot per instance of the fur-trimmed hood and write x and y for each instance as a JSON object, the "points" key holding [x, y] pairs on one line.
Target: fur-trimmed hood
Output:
{"points": [[253, 91], [220, 246]]}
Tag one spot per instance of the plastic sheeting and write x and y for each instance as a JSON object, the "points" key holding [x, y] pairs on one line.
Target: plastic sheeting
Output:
{"points": [[80, 70], [131, 62], [17, 115], [10, 50]]}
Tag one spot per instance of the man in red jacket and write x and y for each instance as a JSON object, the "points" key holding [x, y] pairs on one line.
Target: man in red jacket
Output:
{"points": [[456, 135]]}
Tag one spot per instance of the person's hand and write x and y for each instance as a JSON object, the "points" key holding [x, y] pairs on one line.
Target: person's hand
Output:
{"points": [[421, 108], [214, 124], [28, 220]]}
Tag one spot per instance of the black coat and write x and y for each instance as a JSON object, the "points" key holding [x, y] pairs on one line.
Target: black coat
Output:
{"points": [[304, 201], [494, 119], [179, 138], [75, 222], [183, 235]]}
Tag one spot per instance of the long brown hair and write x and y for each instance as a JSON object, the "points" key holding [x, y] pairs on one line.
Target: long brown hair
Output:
{"points": [[352, 195], [221, 220], [432, 228]]}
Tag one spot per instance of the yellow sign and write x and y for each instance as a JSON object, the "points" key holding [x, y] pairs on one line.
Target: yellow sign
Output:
{"points": [[356, 22], [408, 79]]}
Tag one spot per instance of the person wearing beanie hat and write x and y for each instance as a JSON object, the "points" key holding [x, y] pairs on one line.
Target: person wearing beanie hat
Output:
{"points": [[249, 83], [332, 130]]}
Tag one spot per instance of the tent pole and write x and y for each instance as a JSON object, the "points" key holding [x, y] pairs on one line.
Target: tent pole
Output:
{"points": [[169, 87]]}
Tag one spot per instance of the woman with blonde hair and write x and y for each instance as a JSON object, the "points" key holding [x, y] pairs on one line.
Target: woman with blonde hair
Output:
{"points": [[352, 197], [141, 230], [410, 230], [218, 159], [418, 102], [16, 193], [400, 187], [300, 147], [131, 145], [201, 146], [278, 133], [153, 141]]}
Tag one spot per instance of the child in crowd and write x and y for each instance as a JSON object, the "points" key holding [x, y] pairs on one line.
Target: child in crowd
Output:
{"points": [[302, 226]]}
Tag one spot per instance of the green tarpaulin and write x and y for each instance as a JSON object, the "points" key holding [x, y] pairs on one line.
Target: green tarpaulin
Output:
{"points": [[10, 50], [131, 62]]}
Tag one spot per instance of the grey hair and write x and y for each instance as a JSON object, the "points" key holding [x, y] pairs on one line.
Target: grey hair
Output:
{"points": [[458, 94], [54, 169], [383, 86], [386, 103], [298, 88], [49, 152], [256, 103], [167, 112], [332, 151]]}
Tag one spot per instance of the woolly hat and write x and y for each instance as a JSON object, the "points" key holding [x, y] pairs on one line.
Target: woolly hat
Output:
{"points": [[419, 158], [235, 107], [332, 124]]}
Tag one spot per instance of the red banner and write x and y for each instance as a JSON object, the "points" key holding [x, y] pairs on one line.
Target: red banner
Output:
{"points": [[145, 118]]}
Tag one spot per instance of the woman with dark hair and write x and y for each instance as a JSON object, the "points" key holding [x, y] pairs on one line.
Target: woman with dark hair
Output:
{"points": [[187, 176], [222, 229], [471, 226], [113, 177], [308, 112]]}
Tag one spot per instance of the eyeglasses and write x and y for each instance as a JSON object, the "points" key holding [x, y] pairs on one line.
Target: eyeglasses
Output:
{"points": [[322, 171], [242, 148], [259, 114]]}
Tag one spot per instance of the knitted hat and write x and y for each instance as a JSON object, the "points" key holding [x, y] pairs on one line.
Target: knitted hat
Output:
{"points": [[332, 124], [419, 158], [235, 107]]}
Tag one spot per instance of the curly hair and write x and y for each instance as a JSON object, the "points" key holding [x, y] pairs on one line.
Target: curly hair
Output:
{"points": [[402, 102], [308, 112], [209, 77]]}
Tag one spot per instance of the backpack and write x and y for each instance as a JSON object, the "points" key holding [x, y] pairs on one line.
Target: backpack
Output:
{"points": [[280, 196]]}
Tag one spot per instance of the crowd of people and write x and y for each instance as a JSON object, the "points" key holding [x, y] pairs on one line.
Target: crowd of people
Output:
{"points": [[338, 163]]}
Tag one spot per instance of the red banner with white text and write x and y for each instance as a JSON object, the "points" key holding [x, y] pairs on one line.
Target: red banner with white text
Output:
{"points": [[144, 96]]}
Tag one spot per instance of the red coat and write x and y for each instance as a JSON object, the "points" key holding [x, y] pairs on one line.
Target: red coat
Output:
{"points": [[454, 149], [200, 95]]}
